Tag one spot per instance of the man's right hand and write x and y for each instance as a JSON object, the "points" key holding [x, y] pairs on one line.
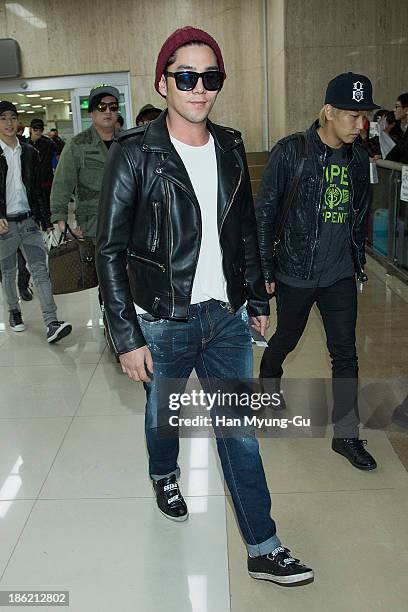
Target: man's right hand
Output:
{"points": [[76, 230], [270, 288], [136, 364]]}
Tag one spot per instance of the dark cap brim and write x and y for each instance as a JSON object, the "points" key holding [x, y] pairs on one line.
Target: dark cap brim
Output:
{"points": [[355, 108]]}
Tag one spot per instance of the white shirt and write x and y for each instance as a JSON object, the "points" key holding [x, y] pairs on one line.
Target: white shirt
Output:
{"points": [[16, 195], [201, 165]]}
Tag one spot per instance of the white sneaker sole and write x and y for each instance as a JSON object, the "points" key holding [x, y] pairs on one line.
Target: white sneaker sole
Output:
{"points": [[61, 332], [306, 576], [18, 328], [178, 519]]}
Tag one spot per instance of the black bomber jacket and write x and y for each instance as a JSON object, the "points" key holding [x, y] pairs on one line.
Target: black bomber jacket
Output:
{"points": [[149, 230], [296, 248]]}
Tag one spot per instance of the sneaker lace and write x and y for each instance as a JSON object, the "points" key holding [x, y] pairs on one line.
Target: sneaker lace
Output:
{"points": [[17, 318], [357, 443], [282, 556], [172, 492]]}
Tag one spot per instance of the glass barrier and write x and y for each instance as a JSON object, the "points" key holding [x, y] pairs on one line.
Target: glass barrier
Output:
{"points": [[388, 220]]}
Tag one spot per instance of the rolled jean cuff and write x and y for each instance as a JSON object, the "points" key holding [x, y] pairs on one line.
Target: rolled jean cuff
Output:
{"points": [[264, 548], [157, 477]]}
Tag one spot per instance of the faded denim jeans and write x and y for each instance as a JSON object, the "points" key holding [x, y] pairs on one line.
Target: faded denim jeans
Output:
{"points": [[217, 344], [26, 235]]}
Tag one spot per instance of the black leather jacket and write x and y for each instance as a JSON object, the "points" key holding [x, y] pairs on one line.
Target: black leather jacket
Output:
{"points": [[30, 170], [300, 237], [45, 147], [149, 230]]}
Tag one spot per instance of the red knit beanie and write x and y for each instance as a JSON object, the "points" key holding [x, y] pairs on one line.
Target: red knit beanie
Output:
{"points": [[179, 38]]}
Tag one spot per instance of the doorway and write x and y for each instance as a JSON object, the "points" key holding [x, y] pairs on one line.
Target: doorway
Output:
{"points": [[62, 102]]}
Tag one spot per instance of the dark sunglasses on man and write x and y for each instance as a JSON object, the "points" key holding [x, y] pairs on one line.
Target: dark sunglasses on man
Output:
{"points": [[186, 80], [102, 106]]}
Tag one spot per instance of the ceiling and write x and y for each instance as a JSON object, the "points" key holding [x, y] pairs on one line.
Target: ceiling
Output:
{"points": [[34, 105]]}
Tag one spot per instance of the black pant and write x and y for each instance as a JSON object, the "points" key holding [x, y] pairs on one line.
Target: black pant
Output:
{"points": [[338, 308], [23, 273]]}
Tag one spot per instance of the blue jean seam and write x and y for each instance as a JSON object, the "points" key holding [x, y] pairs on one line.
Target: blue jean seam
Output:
{"points": [[229, 463]]}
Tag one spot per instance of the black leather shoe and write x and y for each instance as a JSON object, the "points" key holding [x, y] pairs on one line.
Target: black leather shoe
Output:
{"points": [[353, 449], [169, 499], [272, 386], [400, 414], [26, 294]]}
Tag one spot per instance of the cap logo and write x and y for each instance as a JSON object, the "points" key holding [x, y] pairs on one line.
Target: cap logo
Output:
{"points": [[358, 93]]}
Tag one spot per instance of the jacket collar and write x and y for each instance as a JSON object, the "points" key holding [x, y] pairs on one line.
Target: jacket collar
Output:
{"points": [[96, 139], [157, 138], [320, 145]]}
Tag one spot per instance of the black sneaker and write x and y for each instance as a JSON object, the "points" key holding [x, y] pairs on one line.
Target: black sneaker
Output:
{"points": [[169, 499], [16, 321], [26, 294], [272, 386], [57, 330], [280, 567], [353, 449]]}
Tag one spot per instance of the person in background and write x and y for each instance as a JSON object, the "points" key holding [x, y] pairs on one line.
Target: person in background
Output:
{"points": [[82, 163], [57, 140], [119, 124], [388, 124], [22, 208], [400, 152], [147, 113], [46, 148], [20, 132]]}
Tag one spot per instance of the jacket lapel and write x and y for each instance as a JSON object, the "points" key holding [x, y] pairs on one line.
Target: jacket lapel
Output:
{"points": [[171, 167]]}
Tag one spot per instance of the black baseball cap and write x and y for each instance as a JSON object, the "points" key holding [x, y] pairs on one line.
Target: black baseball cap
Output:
{"points": [[102, 90], [5, 105], [350, 91], [147, 108], [37, 123]]}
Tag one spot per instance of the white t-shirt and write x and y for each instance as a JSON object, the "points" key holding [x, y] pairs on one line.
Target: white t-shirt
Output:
{"points": [[16, 194], [201, 165]]}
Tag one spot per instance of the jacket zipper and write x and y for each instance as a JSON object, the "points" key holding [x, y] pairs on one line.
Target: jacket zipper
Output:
{"points": [[354, 216], [156, 227], [223, 219], [149, 261], [318, 214], [230, 202], [166, 185]]}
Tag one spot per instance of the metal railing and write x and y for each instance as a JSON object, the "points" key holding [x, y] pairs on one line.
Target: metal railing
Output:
{"points": [[388, 223]]}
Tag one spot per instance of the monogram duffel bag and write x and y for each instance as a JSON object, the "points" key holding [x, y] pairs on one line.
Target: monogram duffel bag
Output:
{"points": [[72, 265]]}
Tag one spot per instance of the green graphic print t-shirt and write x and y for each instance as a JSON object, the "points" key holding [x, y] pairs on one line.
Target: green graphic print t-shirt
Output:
{"points": [[333, 260]]}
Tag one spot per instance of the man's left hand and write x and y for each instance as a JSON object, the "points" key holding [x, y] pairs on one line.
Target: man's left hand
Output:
{"points": [[260, 324]]}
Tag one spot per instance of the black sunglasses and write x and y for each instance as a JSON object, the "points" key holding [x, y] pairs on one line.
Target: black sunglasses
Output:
{"points": [[102, 106], [186, 80]]}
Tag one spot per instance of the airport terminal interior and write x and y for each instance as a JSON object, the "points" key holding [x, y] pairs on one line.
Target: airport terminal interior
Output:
{"points": [[78, 513]]}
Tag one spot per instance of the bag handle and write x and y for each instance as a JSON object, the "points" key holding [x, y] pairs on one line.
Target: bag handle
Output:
{"points": [[63, 237], [302, 146]]}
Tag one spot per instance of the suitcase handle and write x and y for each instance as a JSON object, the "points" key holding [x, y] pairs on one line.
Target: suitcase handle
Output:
{"points": [[63, 237]]}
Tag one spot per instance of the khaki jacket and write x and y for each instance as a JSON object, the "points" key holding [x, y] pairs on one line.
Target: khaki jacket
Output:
{"points": [[80, 171]]}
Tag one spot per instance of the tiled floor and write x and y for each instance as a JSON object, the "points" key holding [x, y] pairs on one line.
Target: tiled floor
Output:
{"points": [[77, 510]]}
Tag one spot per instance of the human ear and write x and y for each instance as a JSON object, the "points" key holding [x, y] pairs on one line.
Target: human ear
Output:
{"points": [[163, 86]]}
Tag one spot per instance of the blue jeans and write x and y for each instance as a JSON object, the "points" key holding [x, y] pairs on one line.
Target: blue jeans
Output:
{"points": [[217, 344], [26, 235]]}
